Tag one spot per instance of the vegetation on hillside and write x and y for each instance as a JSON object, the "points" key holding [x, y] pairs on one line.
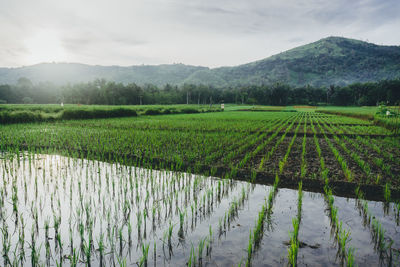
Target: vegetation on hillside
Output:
{"points": [[330, 61]]}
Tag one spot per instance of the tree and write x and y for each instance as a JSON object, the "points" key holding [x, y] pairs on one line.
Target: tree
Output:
{"points": [[279, 94]]}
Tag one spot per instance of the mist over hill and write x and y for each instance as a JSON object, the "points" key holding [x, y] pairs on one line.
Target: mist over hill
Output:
{"points": [[329, 61]]}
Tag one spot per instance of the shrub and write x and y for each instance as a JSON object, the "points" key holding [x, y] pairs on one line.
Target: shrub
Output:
{"points": [[170, 111], [151, 111], [69, 114], [189, 110], [19, 117]]}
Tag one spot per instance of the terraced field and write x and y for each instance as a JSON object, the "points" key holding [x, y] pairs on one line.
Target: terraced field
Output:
{"points": [[229, 188]]}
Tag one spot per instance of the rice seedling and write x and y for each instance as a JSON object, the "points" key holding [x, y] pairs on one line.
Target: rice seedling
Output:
{"points": [[303, 168], [6, 244], [192, 257], [101, 248], [293, 235], [200, 251], [74, 260], [386, 192], [145, 253], [294, 243], [122, 262], [341, 235], [249, 249]]}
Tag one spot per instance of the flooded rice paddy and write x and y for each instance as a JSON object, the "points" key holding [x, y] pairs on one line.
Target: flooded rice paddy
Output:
{"points": [[61, 210]]}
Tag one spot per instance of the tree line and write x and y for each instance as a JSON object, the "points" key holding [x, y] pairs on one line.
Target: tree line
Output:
{"points": [[104, 92]]}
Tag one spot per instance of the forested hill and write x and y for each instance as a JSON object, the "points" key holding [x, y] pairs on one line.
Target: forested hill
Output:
{"points": [[333, 60]]}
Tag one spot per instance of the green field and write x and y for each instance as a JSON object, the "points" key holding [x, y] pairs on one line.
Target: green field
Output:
{"points": [[163, 165], [251, 143]]}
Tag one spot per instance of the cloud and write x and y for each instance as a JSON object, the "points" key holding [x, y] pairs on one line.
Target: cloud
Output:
{"points": [[198, 32]]}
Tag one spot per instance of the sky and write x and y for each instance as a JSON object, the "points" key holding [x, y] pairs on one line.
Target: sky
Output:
{"points": [[208, 33]]}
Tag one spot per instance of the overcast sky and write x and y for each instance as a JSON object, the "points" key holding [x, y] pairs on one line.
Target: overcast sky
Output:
{"points": [[197, 32]]}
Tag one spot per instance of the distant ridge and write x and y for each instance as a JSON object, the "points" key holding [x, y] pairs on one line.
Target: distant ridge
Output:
{"points": [[332, 60]]}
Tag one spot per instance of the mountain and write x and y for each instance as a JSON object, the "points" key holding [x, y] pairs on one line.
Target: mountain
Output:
{"points": [[332, 60]]}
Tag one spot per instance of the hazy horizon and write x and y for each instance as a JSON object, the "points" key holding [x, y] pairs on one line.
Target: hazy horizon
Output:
{"points": [[200, 33]]}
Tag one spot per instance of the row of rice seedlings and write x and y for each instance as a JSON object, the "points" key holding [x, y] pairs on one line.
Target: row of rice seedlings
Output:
{"points": [[261, 146], [386, 168], [324, 170], [379, 147], [372, 129], [232, 212], [361, 163], [272, 150], [347, 172], [204, 206], [365, 129], [239, 141], [293, 235], [377, 161], [223, 227], [283, 161], [197, 260], [257, 232], [388, 143], [374, 145], [382, 244], [279, 125], [303, 168], [342, 236], [312, 121]]}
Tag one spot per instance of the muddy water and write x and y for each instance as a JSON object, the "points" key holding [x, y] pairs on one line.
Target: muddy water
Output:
{"points": [[86, 203]]}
